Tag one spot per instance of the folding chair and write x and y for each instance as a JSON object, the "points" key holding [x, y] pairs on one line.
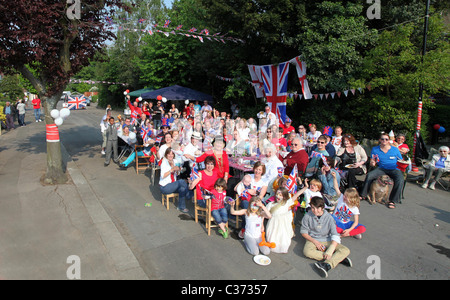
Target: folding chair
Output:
{"points": [[426, 162], [124, 148]]}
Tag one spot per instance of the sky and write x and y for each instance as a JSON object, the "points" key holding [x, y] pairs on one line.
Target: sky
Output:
{"points": [[168, 3]]}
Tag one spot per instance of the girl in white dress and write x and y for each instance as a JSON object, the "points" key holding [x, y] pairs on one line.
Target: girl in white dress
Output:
{"points": [[279, 228]]}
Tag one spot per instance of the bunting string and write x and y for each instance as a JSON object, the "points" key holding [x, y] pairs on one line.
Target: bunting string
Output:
{"points": [[165, 29]]}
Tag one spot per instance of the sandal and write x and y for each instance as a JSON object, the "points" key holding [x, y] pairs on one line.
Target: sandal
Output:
{"points": [[391, 205]]}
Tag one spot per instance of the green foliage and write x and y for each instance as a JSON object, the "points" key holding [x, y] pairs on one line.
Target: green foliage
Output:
{"points": [[11, 87]]}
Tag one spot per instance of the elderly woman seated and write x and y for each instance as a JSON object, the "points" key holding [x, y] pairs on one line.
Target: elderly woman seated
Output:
{"points": [[440, 163]]}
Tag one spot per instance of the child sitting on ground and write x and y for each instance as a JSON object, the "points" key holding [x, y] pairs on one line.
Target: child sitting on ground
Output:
{"points": [[346, 208], [313, 189]]}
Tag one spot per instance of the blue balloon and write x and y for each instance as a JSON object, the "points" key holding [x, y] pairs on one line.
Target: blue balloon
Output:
{"points": [[441, 129]]}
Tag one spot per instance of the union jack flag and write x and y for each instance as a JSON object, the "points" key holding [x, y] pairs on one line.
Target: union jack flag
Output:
{"points": [[375, 157], [179, 27], [318, 154], [193, 29], [206, 193], [291, 183], [166, 24], [280, 171], [76, 102], [275, 87], [194, 173], [245, 195], [145, 132]]}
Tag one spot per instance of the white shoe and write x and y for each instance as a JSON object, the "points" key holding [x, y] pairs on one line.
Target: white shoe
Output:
{"points": [[431, 187], [40, 120], [37, 121], [103, 152], [425, 185]]}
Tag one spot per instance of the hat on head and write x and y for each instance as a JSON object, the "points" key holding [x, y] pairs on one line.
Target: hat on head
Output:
{"points": [[288, 120], [327, 130], [196, 135]]}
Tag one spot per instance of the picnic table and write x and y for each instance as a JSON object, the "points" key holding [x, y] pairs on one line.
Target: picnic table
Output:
{"points": [[242, 164]]}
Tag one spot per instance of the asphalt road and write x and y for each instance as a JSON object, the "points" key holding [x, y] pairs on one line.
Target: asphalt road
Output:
{"points": [[407, 243]]}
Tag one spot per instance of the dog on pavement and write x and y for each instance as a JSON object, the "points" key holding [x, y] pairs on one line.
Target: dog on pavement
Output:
{"points": [[379, 189]]}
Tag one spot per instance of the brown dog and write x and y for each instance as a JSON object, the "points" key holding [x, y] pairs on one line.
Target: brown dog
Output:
{"points": [[379, 189]]}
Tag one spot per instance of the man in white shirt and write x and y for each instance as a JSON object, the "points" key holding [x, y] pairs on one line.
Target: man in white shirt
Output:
{"points": [[267, 114], [192, 149], [205, 108]]}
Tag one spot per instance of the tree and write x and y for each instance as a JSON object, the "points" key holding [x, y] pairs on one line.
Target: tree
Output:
{"points": [[47, 41], [394, 69]]}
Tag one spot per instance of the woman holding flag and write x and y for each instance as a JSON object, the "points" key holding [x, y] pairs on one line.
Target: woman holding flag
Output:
{"points": [[204, 179]]}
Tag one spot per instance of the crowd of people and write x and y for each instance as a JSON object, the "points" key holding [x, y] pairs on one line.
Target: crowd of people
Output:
{"points": [[293, 170]]}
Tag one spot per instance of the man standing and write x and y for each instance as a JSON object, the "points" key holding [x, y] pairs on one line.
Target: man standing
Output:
{"points": [[9, 111], [37, 109], [21, 110], [111, 142], [205, 109]]}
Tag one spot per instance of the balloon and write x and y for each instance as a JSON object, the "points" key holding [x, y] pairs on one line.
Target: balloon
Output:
{"points": [[186, 102], [58, 121], [159, 98], [436, 126], [441, 129], [54, 113], [140, 99], [64, 113], [132, 136], [164, 99], [127, 91]]}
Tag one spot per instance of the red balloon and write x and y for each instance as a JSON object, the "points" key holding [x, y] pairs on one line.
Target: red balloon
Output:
{"points": [[127, 91], [436, 126], [159, 98]]}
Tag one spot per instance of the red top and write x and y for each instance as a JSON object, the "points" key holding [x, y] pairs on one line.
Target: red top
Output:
{"points": [[207, 182], [217, 201], [300, 158], [222, 165], [36, 103]]}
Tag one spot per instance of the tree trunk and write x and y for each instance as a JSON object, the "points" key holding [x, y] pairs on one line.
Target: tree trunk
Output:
{"points": [[56, 169]]}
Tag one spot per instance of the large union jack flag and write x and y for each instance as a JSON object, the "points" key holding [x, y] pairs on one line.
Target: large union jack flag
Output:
{"points": [[76, 102], [275, 79]]}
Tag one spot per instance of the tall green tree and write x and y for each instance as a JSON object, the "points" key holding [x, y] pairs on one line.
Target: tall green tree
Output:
{"points": [[47, 42]]}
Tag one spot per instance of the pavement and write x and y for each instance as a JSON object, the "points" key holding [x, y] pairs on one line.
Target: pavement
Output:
{"points": [[109, 224]]}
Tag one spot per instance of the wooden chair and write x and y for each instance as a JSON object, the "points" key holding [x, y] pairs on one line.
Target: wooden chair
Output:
{"points": [[166, 199], [155, 172], [142, 162], [238, 201], [205, 212]]}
